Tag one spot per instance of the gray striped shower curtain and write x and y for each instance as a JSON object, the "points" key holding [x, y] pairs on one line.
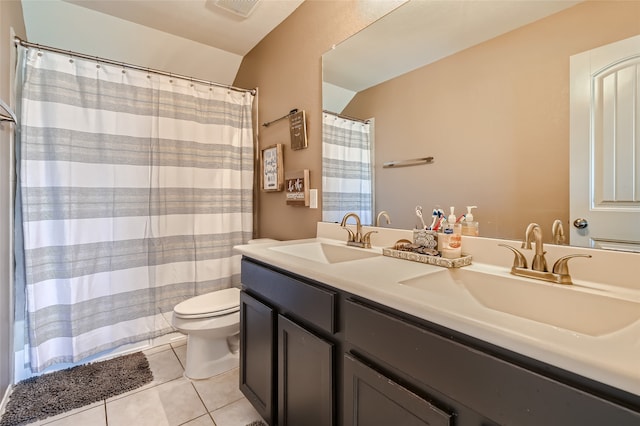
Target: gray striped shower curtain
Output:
{"points": [[347, 169], [132, 190]]}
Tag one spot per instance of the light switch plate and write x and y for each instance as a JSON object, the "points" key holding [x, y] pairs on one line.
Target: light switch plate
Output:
{"points": [[313, 198]]}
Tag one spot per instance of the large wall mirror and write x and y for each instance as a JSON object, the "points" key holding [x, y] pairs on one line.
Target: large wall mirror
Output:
{"points": [[485, 89]]}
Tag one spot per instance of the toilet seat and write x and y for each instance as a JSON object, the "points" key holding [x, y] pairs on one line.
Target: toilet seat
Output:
{"points": [[214, 304]]}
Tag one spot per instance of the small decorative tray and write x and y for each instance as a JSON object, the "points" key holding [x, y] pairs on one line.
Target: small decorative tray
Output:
{"points": [[425, 258]]}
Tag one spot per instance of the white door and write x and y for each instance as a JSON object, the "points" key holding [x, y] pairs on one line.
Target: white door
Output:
{"points": [[605, 146]]}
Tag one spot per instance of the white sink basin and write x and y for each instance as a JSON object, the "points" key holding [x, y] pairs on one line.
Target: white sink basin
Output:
{"points": [[568, 307], [325, 253]]}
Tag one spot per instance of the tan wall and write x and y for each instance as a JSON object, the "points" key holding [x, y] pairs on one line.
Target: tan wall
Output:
{"points": [[287, 68], [504, 147], [10, 21], [496, 119]]}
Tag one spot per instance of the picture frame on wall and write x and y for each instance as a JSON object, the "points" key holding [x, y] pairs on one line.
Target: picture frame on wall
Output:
{"points": [[297, 187], [272, 169], [298, 130]]}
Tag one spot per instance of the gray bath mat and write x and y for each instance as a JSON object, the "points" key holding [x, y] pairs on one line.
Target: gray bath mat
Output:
{"points": [[257, 423], [50, 394]]}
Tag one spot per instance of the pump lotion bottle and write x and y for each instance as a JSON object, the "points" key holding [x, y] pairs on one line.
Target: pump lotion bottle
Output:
{"points": [[452, 248], [469, 226]]}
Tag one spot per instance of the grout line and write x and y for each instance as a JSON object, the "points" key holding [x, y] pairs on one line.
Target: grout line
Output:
{"points": [[203, 404], [177, 357], [150, 385], [230, 403], [195, 418], [211, 417], [208, 413]]}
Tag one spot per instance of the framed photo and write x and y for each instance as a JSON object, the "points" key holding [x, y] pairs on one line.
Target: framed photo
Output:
{"points": [[272, 177], [297, 186]]}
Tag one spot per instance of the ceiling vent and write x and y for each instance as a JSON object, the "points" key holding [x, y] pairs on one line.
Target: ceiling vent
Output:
{"points": [[242, 8]]}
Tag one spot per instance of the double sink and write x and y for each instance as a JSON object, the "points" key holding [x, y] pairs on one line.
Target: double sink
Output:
{"points": [[575, 308]]}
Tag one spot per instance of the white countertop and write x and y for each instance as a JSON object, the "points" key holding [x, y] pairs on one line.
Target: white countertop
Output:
{"points": [[613, 358]]}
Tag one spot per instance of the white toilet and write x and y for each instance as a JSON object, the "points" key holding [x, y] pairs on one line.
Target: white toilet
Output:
{"points": [[211, 322]]}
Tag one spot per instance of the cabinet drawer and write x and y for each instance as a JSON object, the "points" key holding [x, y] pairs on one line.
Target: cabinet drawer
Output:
{"points": [[499, 390], [305, 302], [371, 398]]}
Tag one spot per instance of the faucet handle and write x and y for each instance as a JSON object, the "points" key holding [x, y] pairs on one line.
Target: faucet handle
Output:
{"points": [[352, 236], [366, 238], [561, 267], [519, 261]]}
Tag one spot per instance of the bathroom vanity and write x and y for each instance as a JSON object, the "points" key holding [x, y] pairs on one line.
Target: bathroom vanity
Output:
{"points": [[324, 341]]}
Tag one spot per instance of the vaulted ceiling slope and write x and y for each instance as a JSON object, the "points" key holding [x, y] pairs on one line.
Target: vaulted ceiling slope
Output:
{"points": [[189, 37], [200, 20]]}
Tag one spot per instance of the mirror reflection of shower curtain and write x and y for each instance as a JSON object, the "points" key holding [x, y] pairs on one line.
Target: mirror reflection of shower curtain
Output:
{"points": [[133, 189], [347, 177]]}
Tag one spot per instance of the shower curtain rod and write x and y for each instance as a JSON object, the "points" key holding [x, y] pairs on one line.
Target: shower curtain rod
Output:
{"points": [[135, 67], [346, 117]]}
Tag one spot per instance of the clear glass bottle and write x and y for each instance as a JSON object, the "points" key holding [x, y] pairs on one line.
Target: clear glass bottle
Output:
{"points": [[469, 226]]}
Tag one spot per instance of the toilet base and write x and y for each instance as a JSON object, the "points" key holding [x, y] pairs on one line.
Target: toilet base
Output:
{"points": [[208, 357]]}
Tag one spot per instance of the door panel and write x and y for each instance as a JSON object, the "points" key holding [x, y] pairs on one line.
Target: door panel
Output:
{"points": [[605, 145]]}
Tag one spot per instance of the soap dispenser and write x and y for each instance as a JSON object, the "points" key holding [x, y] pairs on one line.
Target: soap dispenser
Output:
{"points": [[452, 248], [469, 226]]}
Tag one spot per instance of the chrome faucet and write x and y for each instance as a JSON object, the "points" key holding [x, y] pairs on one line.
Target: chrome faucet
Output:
{"points": [[356, 239], [559, 273], [386, 216], [557, 231]]}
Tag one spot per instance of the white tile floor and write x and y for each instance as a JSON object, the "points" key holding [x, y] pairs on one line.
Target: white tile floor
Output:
{"points": [[169, 400]]}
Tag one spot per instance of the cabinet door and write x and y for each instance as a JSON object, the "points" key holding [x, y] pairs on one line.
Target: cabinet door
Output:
{"points": [[257, 350], [372, 399], [305, 377]]}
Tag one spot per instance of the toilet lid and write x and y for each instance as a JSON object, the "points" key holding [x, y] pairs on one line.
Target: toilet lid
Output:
{"points": [[216, 303]]}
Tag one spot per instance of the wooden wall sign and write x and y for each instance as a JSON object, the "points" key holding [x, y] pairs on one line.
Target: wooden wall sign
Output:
{"points": [[272, 174], [297, 188], [298, 129]]}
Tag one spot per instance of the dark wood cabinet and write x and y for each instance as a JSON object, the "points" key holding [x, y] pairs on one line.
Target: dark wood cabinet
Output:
{"points": [[287, 347], [315, 355], [305, 377], [256, 355], [373, 399], [477, 384]]}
